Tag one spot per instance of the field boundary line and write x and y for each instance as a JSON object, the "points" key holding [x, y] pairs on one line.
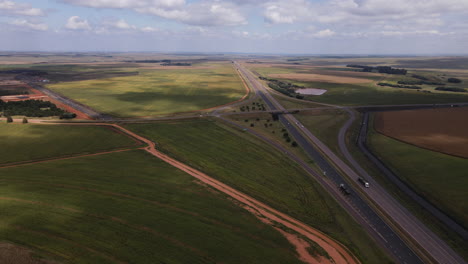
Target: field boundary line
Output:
{"points": [[21, 163]]}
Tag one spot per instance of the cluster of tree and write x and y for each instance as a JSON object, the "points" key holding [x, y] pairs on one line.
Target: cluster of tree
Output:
{"points": [[67, 115], [420, 77], [419, 82], [454, 80], [288, 139], [33, 108], [25, 72], [255, 106], [176, 64], [12, 92], [9, 119], [286, 136], [451, 89], [285, 88], [298, 59], [399, 85], [149, 61], [379, 69]]}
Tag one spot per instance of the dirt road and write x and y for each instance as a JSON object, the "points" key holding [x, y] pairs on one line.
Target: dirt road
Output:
{"points": [[338, 253]]}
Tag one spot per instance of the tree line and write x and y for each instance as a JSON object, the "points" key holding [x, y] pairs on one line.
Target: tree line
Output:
{"points": [[399, 85], [379, 69], [451, 89], [285, 88]]}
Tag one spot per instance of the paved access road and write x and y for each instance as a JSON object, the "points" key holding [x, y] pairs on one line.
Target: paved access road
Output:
{"points": [[434, 246]]}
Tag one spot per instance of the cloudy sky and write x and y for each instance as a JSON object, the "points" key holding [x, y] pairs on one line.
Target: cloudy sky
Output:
{"points": [[251, 26]]}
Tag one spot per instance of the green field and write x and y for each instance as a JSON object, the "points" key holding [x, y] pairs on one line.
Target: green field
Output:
{"points": [[23, 142], [439, 177], [367, 93], [129, 207], [157, 91], [324, 124], [257, 169]]}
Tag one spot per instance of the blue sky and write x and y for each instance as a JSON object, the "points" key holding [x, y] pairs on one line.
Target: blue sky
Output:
{"points": [[253, 26]]}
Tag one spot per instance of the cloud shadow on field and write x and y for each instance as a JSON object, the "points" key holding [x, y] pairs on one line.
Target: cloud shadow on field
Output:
{"points": [[201, 100]]}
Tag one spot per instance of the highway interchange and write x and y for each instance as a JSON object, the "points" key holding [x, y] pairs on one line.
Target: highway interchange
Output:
{"points": [[403, 236]]}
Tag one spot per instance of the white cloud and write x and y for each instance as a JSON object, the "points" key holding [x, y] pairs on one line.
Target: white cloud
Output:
{"points": [[119, 24], [149, 29], [213, 13], [202, 13], [127, 3], [29, 25], [12, 8], [76, 23], [278, 12], [324, 33], [412, 33]]}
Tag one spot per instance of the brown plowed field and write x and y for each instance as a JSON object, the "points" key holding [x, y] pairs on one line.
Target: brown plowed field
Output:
{"points": [[444, 129], [311, 77]]}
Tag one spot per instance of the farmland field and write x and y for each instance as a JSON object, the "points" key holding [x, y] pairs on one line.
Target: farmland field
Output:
{"points": [[23, 142], [249, 165], [325, 124], [129, 207], [440, 129], [439, 177], [348, 87], [158, 91]]}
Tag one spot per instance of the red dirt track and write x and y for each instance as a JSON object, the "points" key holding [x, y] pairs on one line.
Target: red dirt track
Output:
{"points": [[296, 232], [441, 129], [337, 252]]}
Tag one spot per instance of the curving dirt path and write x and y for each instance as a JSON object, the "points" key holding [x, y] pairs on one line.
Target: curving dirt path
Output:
{"points": [[337, 252], [292, 228]]}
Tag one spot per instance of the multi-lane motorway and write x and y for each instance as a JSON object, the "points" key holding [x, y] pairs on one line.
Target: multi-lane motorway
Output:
{"points": [[433, 248]]}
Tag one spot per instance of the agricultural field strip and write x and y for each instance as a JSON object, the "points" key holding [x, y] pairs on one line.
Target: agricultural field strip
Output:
{"points": [[110, 218], [358, 93], [337, 251], [436, 212], [433, 244], [152, 93], [122, 221], [237, 102], [218, 109], [444, 137], [79, 153]]}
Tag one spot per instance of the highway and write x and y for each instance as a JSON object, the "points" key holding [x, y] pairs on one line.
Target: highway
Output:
{"points": [[433, 246]]}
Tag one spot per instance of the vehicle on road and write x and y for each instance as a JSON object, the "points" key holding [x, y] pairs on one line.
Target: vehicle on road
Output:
{"points": [[364, 182], [344, 190]]}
